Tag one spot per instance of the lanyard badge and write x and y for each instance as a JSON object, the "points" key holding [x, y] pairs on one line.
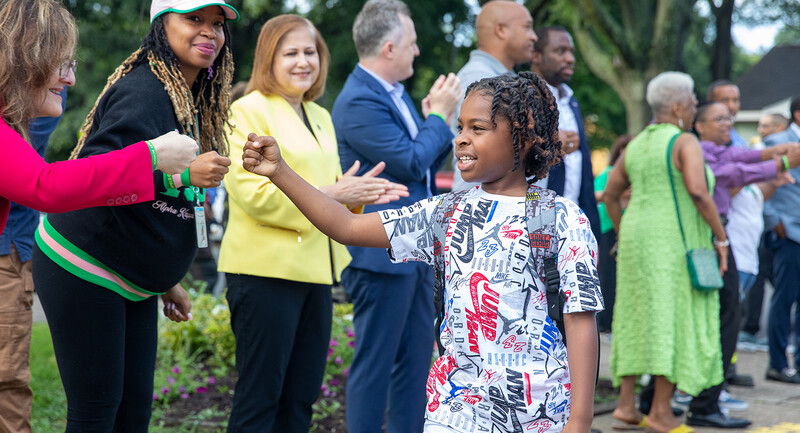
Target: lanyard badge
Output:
{"points": [[199, 210], [200, 220]]}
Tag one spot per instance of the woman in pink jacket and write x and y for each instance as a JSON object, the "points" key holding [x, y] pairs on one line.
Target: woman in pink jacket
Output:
{"points": [[36, 47]]}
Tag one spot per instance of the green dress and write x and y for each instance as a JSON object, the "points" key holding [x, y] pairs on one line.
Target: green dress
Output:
{"points": [[662, 326]]}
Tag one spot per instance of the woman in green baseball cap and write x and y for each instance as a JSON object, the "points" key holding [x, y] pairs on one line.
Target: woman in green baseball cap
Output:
{"points": [[100, 271]]}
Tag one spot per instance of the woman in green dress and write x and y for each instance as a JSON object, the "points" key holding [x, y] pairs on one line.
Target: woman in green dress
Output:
{"points": [[662, 326]]}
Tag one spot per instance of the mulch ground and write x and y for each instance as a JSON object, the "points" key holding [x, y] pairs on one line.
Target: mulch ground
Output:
{"points": [[181, 410]]}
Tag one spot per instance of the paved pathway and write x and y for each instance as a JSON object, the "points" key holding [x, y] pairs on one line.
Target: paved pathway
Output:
{"points": [[774, 406]]}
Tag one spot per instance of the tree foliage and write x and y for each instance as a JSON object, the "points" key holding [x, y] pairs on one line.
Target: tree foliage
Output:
{"points": [[628, 42], [622, 44]]}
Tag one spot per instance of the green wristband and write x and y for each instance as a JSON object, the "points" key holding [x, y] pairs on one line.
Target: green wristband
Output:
{"points": [[168, 182], [785, 160], [153, 156], [433, 113], [185, 178]]}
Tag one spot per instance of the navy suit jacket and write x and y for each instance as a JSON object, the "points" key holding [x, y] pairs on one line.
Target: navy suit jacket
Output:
{"points": [[370, 129], [556, 176]]}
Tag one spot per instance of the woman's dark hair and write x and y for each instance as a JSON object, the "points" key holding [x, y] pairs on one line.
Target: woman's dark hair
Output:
{"points": [[618, 147], [209, 96], [700, 116], [526, 102]]}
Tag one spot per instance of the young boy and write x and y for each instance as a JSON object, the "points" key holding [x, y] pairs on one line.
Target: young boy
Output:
{"points": [[505, 366]]}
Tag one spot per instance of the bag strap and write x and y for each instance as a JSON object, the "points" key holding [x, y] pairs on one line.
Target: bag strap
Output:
{"points": [[672, 184], [540, 217], [441, 224]]}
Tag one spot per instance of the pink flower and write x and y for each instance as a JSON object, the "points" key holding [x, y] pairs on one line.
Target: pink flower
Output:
{"points": [[155, 396], [326, 393], [211, 380], [349, 332], [182, 389], [338, 360], [333, 342], [351, 344], [184, 396], [346, 372], [170, 380], [164, 390], [201, 390], [334, 382], [176, 370], [323, 388]]}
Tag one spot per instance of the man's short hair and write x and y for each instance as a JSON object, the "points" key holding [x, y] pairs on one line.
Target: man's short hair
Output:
{"points": [[378, 22], [794, 106], [717, 84], [777, 119], [543, 33]]}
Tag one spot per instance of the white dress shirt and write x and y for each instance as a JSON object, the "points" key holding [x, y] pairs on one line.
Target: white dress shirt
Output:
{"points": [[396, 92]]}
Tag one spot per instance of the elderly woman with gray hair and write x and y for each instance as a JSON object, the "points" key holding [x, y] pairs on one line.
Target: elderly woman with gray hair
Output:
{"points": [[662, 326]]}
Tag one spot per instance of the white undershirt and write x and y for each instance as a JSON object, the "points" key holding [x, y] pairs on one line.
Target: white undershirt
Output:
{"points": [[573, 162]]}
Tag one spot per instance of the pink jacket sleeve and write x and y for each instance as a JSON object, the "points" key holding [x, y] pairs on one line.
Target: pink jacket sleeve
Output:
{"points": [[116, 178]]}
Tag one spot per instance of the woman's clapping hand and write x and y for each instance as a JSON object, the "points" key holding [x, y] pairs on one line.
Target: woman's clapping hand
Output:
{"points": [[366, 189]]}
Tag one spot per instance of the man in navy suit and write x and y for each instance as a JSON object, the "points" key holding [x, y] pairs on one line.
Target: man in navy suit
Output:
{"points": [[375, 121], [554, 60], [782, 226]]}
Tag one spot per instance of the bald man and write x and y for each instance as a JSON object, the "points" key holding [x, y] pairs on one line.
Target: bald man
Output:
{"points": [[771, 123], [505, 38]]}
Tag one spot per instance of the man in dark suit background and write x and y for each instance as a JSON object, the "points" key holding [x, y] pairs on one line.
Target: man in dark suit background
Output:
{"points": [[554, 60], [375, 121]]}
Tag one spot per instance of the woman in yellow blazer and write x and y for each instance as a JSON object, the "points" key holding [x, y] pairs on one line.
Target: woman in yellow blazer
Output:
{"points": [[279, 267]]}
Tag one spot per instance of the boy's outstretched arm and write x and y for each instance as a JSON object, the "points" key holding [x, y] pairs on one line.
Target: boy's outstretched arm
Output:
{"points": [[581, 330], [262, 156]]}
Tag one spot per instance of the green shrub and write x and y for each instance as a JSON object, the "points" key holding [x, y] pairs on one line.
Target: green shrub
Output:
{"points": [[206, 339]]}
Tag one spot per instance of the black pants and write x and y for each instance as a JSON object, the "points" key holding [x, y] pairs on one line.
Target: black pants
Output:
{"points": [[607, 272], [707, 402], [105, 347], [282, 331], [755, 297]]}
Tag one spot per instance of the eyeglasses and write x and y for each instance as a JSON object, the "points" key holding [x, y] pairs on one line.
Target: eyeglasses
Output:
{"points": [[63, 70], [721, 119]]}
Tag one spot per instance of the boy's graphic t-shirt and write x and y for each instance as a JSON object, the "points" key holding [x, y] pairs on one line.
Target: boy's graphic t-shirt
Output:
{"points": [[505, 364]]}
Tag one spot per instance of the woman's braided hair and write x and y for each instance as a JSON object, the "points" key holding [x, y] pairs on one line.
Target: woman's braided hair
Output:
{"points": [[209, 98], [526, 102]]}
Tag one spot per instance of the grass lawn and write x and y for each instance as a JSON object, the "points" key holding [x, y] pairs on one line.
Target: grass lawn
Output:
{"points": [[49, 401]]}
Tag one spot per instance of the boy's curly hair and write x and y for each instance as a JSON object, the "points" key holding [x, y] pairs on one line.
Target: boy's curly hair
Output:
{"points": [[526, 102]]}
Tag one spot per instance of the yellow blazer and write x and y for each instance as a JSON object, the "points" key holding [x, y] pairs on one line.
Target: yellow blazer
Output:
{"points": [[267, 236]]}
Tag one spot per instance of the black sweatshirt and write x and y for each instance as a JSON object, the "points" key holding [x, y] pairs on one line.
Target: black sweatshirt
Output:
{"points": [[152, 244]]}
